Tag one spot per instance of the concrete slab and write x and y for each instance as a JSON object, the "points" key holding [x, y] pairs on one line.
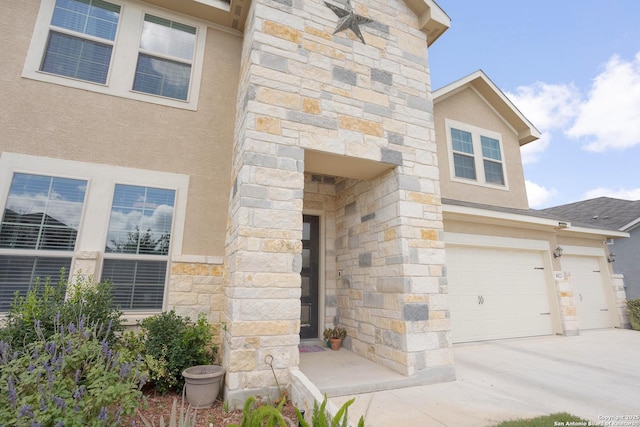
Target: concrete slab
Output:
{"points": [[338, 373], [594, 375]]}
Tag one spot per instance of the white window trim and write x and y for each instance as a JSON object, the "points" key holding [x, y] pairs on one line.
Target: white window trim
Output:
{"points": [[478, 158], [94, 224], [124, 56]]}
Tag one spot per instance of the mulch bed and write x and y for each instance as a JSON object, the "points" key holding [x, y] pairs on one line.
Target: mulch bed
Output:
{"points": [[160, 405]]}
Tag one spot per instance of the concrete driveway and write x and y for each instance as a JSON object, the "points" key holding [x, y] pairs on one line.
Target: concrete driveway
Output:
{"points": [[594, 376]]}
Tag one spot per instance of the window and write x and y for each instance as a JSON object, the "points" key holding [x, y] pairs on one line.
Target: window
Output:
{"points": [[38, 231], [122, 48], [81, 39], [475, 154], [137, 247], [164, 61], [96, 221], [463, 154], [492, 160]]}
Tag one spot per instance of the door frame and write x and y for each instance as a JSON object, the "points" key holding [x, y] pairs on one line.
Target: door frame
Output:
{"points": [[321, 267]]}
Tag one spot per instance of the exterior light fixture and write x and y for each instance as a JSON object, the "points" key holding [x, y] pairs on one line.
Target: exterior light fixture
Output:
{"points": [[611, 257], [558, 252]]}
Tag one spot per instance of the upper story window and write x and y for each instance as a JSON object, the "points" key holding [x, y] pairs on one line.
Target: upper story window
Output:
{"points": [[492, 160], [120, 48], [81, 39], [476, 155], [164, 61]]}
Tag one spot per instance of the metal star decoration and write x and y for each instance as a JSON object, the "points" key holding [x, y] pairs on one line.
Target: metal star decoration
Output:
{"points": [[348, 19]]}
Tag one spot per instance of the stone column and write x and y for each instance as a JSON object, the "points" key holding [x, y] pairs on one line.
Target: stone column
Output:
{"points": [[620, 300], [261, 319], [566, 300]]}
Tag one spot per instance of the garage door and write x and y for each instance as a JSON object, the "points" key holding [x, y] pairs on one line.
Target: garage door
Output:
{"points": [[497, 293], [589, 289]]}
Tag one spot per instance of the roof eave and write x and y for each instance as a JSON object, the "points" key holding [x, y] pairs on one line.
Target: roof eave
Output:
{"points": [[526, 131], [565, 227], [502, 216], [431, 18], [631, 225]]}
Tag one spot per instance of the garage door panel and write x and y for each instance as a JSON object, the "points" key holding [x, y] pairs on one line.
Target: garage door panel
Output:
{"points": [[496, 293], [589, 291]]}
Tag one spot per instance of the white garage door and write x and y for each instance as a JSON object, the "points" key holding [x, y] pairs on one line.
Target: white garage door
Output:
{"points": [[497, 293], [589, 294]]}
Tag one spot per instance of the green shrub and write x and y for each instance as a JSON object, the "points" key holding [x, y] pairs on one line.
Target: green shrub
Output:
{"points": [[42, 304], [73, 378], [634, 313], [322, 418], [254, 414], [170, 344], [45, 304]]}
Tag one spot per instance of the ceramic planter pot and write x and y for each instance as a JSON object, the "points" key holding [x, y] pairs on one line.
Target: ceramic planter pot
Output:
{"points": [[335, 343], [203, 384]]}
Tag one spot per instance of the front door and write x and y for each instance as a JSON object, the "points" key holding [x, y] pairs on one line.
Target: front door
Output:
{"points": [[310, 263]]}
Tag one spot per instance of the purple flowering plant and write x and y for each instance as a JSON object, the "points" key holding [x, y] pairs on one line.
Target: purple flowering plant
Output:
{"points": [[71, 378]]}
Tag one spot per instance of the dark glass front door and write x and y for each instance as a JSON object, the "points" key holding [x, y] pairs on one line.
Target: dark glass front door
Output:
{"points": [[310, 262]]}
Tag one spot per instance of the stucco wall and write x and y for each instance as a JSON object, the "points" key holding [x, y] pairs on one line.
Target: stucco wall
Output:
{"points": [[468, 107], [45, 119]]}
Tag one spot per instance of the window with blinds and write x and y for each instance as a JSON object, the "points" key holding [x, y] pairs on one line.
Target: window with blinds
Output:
{"points": [[38, 231], [137, 248], [81, 39], [165, 57], [125, 48]]}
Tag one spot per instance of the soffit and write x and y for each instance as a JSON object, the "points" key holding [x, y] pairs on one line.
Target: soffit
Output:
{"points": [[479, 81], [233, 14], [432, 19], [344, 166]]}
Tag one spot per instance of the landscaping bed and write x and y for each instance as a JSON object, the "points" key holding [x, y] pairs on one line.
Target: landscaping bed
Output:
{"points": [[155, 405]]}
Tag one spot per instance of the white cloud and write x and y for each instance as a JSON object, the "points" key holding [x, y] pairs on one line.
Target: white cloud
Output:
{"points": [[620, 193], [56, 206], [531, 152], [610, 117], [548, 107], [538, 195]]}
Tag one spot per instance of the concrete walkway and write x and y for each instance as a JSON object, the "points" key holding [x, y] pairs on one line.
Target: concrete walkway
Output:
{"points": [[594, 375]]}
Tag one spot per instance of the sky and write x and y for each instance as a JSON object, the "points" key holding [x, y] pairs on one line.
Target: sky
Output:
{"points": [[572, 67]]}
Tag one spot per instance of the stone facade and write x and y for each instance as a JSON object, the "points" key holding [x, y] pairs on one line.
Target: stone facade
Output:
{"points": [[302, 88], [620, 298], [567, 304], [195, 286]]}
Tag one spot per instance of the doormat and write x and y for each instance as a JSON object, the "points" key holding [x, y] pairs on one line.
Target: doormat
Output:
{"points": [[310, 348]]}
